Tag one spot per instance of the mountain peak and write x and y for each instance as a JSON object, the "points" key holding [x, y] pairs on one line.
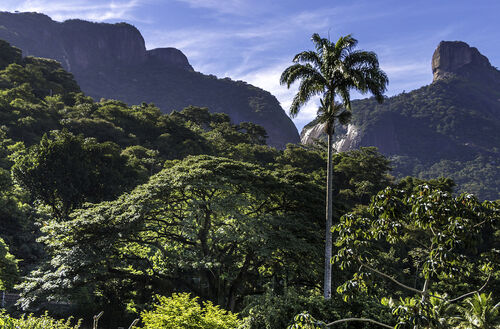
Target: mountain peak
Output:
{"points": [[170, 56], [456, 58]]}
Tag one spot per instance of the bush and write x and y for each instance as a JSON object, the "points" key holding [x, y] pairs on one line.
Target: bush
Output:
{"points": [[183, 312], [277, 311], [270, 310], [9, 272], [32, 322]]}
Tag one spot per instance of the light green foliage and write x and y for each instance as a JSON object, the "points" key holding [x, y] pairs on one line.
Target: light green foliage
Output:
{"points": [[33, 322], [184, 312], [306, 321], [9, 273], [16, 226]]}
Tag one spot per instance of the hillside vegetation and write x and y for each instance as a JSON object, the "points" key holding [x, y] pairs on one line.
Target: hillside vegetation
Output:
{"points": [[188, 220]]}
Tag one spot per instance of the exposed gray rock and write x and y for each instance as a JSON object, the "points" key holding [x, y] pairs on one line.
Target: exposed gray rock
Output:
{"points": [[169, 56], [452, 57]]}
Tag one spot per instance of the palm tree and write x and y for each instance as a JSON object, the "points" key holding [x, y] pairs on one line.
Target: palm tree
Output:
{"points": [[334, 69], [479, 312]]}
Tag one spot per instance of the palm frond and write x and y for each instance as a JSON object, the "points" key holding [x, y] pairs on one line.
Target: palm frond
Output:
{"points": [[344, 117], [307, 89], [334, 69], [308, 57], [345, 96], [299, 72], [360, 58]]}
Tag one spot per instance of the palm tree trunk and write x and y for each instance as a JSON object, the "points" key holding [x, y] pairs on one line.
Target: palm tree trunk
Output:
{"points": [[329, 212]]}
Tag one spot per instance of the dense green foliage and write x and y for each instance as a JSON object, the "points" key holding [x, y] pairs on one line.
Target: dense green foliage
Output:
{"points": [[9, 272], [479, 311], [214, 226], [110, 61], [64, 170], [183, 312], [422, 252], [127, 202]]}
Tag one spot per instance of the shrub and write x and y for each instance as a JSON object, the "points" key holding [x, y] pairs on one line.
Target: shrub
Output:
{"points": [[32, 322], [183, 312]]}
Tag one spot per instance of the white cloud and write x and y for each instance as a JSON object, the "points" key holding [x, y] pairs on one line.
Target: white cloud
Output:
{"points": [[267, 78], [60, 10], [237, 7]]}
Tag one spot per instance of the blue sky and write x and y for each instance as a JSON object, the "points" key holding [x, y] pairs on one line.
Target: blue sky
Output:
{"points": [[255, 40]]}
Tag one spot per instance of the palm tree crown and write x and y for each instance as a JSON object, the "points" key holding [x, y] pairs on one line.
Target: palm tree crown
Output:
{"points": [[334, 69]]}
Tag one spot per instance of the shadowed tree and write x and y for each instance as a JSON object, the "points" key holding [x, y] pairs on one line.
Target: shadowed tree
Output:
{"points": [[333, 69]]}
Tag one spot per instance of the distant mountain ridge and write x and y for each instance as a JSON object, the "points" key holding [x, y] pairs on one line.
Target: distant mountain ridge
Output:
{"points": [[111, 61], [448, 128]]}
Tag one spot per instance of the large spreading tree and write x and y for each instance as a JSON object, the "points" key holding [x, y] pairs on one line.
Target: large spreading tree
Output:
{"points": [[333, 69]]}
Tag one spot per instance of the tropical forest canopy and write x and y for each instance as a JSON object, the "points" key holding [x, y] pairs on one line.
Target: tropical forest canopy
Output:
{"points": [[105, 206]]}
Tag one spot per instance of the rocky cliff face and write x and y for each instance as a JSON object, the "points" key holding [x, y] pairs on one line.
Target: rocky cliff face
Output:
{"points": [[458, 58], [111, 61]]}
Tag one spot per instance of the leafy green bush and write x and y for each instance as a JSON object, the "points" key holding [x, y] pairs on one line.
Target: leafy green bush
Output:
{"points": [[32, 322], [271, 310], [183, 312], [9, 272]]}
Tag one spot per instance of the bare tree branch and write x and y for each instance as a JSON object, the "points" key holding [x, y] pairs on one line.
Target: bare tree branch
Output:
{"points": [[472, 292], [392, 279], [360, 320]]}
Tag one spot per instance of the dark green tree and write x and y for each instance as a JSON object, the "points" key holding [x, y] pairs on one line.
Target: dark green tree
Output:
{"points": [[9, 272], [334, 69], [63, 171]]}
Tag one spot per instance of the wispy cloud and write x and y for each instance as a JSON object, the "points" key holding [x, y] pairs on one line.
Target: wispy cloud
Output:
{"points": [[90, 10], [267, 78], [260, 36], [237, 7]]}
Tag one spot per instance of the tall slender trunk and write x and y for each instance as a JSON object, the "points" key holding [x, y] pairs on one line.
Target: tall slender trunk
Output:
{"points": [[329, 212]]}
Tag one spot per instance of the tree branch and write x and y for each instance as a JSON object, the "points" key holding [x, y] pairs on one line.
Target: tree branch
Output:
{"points": [[360, 320], [472, 292], [392, 279]]}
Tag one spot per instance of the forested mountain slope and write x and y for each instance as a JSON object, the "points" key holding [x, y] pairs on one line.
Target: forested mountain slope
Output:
{"points": [[104, 206], [449, 128], [111, 61]]}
